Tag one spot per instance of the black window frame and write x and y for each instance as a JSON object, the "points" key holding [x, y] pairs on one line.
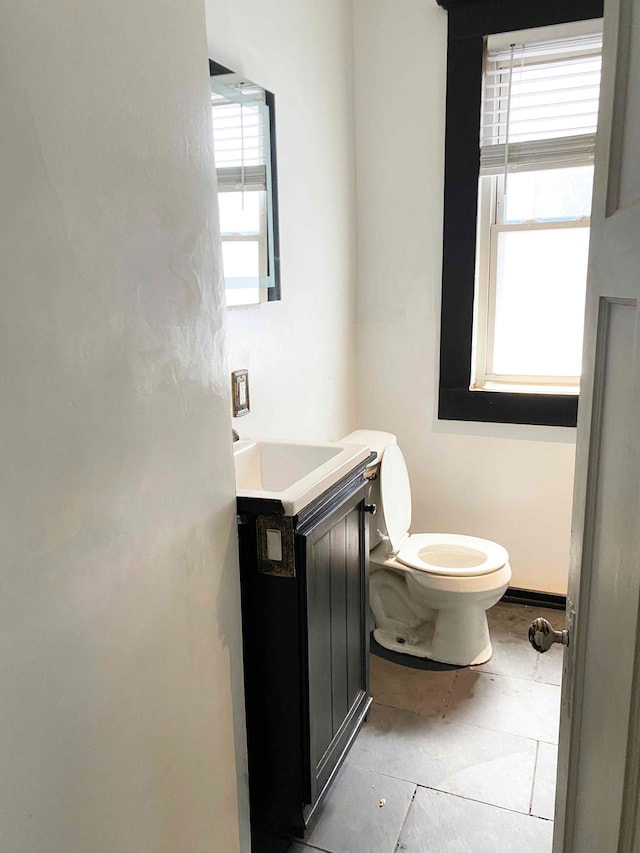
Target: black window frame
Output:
{"points": [[469, 22]]}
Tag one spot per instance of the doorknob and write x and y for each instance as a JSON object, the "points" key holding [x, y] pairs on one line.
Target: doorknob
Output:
{"points": [[542, 635]]}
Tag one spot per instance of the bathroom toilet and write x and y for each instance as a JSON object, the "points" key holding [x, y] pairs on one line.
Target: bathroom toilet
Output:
{"points": [[429, 592]]}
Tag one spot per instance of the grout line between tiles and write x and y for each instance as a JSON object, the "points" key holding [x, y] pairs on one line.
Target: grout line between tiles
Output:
{"points": [[503, 732], [490, 672], [461, 796], [514, 677], [407, 710], [533, 781], [490, 805], [533, 679], [306, 845], [409, 807], [450, 694], [469, 725]]}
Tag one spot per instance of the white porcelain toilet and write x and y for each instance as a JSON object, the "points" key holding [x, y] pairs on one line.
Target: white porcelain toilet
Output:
{"points": [[429, 592]]}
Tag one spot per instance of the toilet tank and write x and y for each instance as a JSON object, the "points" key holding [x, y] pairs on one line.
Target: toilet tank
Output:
{"points": [[378, 442]]}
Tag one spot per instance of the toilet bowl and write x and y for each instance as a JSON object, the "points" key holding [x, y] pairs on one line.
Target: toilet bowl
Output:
{"points": [[429, 592]]}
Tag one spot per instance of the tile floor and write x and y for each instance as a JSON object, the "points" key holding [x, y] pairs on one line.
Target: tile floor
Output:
{"points": [[455, 761]]}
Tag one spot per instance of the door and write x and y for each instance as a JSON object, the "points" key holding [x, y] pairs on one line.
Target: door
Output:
{"points": [[599, 756], [337, 637]]}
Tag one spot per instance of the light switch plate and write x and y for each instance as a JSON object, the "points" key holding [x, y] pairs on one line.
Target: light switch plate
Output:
{"points": [[240, 392], [267, 528]]}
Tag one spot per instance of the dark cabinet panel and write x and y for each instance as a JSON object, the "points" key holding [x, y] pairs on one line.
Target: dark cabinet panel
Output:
{"points": [[305, 646], [338, 622], [319, 648], [357, 612], [336, 593]]}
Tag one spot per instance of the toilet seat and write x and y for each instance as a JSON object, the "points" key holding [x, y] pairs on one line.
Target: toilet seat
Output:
{"points": [[450, 554]]}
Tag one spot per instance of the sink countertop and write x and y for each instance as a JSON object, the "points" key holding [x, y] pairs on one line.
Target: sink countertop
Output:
{"points": [[292, 473]]}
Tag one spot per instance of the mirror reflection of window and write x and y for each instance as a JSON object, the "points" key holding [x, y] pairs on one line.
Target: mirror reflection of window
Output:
{"points": [[242, 124]]}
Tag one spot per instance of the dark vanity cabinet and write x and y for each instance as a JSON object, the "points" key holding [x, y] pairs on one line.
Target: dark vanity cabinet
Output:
{"points": [[305, 639]]}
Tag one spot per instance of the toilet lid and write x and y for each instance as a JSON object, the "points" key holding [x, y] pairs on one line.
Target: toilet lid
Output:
{"points": [[452, 554], [395, 495]]}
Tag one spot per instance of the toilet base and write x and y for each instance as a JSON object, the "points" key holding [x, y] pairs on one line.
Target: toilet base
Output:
{"points": [[440, 618], [423, 646], [416, 642], [461, 636]]}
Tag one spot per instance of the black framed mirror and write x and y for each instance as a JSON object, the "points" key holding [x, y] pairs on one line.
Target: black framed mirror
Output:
{"points": [[243, 115]]}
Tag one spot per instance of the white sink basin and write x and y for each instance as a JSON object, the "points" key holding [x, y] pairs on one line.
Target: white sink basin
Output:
{"points": [[293, 472]]}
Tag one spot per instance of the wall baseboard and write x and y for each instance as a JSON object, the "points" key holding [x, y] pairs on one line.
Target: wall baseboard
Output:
{"points": [[530, 597]]}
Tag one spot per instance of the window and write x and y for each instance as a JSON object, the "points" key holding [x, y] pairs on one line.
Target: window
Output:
{"points": [[242, 115], [539, 117], [521, 116]]}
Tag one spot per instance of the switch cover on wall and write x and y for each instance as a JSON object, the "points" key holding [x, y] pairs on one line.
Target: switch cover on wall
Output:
{"points": [[240, 392]]}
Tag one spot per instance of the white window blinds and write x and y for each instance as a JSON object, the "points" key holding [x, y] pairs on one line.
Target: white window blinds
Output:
{"points": [[240, 137], [540, 104]]}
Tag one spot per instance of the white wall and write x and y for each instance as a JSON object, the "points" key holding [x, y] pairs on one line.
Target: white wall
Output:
{"points": [[121, 701], [300, 352], [507, 483]]}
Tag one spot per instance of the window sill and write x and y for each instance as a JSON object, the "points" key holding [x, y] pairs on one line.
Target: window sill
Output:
{"points": [[524, 388], [508, 407]]}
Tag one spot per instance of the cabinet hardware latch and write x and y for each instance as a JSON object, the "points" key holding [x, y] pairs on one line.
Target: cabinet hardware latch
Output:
{"points": [[370, 508]]}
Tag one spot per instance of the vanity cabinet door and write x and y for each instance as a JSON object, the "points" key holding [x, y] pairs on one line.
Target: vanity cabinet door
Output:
{"points": [[337, 658], [305, 649]]}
